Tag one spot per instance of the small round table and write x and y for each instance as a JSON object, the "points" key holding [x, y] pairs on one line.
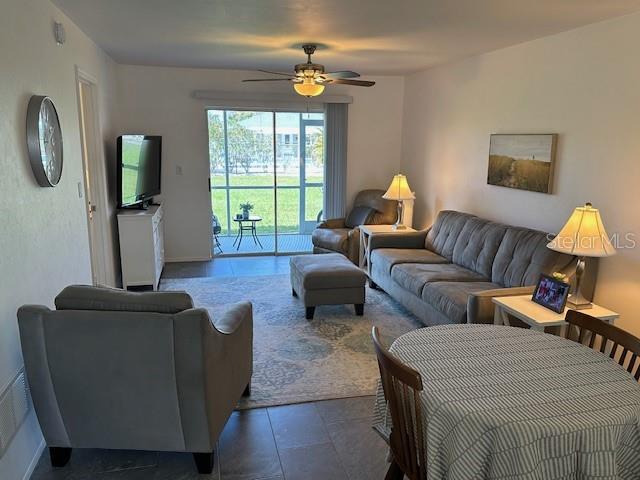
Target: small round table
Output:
{"points": [[243, 227]]}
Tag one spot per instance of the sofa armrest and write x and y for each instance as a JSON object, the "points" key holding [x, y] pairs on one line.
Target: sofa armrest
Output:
{"points": [[353, 250], [398, 240], [332, 223], [214, 367], [233, 319], [229, 341], [480, 306]]}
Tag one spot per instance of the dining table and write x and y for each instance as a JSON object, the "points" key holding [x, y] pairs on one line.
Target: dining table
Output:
{"points": [[509, 403]]}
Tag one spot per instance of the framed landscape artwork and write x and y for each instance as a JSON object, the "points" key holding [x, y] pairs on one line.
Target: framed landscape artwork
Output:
{"points": [[522, 161]]}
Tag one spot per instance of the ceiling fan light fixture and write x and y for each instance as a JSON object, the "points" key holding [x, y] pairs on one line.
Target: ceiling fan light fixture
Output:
{"points": [[309, 78], [308, 88]]}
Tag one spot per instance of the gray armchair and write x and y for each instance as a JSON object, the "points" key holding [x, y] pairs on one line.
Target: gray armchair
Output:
{"points": [[342, 235], [137, 371]]}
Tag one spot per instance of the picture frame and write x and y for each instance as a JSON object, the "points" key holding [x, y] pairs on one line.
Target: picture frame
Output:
{"points": [[522, 161], [551, 293]]}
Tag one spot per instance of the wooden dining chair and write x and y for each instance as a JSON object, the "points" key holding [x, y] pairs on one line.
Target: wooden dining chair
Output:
{"points": [[588, 325], [402, 386]]}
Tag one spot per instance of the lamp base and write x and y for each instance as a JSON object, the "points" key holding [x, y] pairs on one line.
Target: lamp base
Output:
{"points": [[398, 225], [578, 302]]}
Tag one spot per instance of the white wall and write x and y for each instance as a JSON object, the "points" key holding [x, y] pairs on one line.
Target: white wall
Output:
{"points": [[581, 84], [157, 100], [43, 233]]}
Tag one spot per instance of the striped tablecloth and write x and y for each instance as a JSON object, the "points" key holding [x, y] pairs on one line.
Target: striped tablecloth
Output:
{"points": [[509, 403]]}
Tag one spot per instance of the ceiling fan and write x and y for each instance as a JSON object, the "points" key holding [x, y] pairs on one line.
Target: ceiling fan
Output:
{"points": [[310, 78]]}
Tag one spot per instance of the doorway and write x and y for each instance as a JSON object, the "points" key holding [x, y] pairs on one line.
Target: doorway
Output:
{"points": [[94, 176], [275, 162]]}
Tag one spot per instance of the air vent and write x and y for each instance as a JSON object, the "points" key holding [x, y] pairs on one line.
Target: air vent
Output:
{"points": [[20, 398], [7, 420], [14, 407]]}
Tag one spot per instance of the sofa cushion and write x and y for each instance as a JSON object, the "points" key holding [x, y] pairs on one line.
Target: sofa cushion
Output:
{"points": [[335, 239], [87, 297], [360, 215], [477, 245], [523, 255], [444, 233], [388, 257], [325, 271], [450, 298], [413, 277]]}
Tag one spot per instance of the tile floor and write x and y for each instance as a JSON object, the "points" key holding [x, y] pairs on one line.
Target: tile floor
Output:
{"points": [[228, 267], [327, 440]]}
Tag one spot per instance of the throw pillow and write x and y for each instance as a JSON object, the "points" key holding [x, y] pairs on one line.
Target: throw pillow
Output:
{"points": [[359, 216]]}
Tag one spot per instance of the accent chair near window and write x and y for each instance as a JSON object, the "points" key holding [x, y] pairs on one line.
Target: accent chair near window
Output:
{"points": [[342, 235]]}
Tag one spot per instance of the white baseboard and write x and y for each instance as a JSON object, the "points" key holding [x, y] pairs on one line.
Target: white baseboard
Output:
{"points": [[187, 259], [34, 461]]}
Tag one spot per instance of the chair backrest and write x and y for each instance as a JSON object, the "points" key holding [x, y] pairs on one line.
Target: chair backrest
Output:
{"points": [[114, 369], [386, 210], [507, 255], [402, 386], [625, 348]]}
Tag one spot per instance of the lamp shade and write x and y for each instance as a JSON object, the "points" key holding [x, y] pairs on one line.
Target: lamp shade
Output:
{"points": [[308, 88], [583, 235], [399, 189]]}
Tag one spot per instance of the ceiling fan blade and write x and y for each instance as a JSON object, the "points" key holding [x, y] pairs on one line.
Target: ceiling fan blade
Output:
{"points": [[267, 79], [276, 73], [341, 74], [358, 83]]}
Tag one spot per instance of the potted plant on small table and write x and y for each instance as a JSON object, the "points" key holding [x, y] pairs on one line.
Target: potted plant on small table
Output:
{"points": [[246, 208]]}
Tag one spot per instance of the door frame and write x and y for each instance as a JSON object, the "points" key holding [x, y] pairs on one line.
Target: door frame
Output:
{"points": [[94, 181]]}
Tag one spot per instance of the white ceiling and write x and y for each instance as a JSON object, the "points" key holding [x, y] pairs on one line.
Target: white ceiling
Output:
{"points": [[368, 36]]}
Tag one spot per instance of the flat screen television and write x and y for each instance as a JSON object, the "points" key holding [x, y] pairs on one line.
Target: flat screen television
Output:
{"points": [[139, 159]]}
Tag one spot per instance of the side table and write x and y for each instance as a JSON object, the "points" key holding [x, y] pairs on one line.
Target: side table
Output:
{"points": [[251, 228], [537, 316]]}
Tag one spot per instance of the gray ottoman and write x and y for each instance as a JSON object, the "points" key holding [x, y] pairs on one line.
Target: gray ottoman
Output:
{"points": [[327, 279]]}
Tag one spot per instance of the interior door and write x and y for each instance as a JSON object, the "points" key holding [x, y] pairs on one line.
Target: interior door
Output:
{"points": [[95, 208]]}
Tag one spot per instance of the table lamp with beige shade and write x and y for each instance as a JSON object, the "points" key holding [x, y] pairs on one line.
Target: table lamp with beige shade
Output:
{"points": [[399, 191], [583, 236]]}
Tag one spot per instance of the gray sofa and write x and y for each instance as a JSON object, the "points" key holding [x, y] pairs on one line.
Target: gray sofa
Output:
{"points": [[137, 371], [450, 272]]}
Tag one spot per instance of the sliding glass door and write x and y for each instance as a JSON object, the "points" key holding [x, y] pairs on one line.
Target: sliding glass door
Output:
{"points": [[273, 161], [299, 178]]}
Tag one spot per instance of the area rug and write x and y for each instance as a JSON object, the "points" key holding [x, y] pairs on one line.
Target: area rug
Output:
{"points": [[298, 360]]}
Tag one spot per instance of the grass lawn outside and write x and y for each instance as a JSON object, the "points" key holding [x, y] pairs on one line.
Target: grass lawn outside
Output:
{"points": [[129, 172], [263, 201]]}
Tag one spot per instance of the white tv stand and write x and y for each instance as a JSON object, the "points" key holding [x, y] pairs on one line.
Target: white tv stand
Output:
{"points": [[141, 235]]}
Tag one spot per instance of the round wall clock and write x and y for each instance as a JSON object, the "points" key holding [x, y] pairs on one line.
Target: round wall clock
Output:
{"points": [[44, 141]]}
